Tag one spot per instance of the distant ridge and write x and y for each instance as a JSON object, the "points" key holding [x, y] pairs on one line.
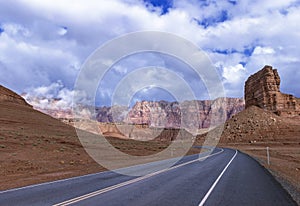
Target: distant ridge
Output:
{"points": [[161, 114]]}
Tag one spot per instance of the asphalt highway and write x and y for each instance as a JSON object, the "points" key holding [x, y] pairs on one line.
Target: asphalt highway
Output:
{"points": [[224, 177]]}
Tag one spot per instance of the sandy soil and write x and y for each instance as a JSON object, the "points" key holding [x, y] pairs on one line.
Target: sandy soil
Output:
{"points": [[37, 148]]}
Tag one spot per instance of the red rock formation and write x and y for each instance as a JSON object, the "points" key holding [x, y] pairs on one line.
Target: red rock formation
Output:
{"points": [[262, 89], [188, 114]]}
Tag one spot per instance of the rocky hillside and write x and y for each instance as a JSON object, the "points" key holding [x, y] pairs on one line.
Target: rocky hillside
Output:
{"points": [[9, 96], [35, 147], [257, 125]]}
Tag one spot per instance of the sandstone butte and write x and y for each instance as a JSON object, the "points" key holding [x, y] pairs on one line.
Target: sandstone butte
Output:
{"points": [[262, 89]]}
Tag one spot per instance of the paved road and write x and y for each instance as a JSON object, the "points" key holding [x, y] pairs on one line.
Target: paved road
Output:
{"points": [[227, 177]]}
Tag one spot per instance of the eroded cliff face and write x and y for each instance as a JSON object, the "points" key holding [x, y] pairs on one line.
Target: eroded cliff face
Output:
{"points": [[188, 114], [262, 89]]}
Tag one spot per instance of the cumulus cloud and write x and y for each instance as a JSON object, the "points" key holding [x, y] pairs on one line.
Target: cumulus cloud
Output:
{"points": [[234, 74], [263, 50], [32, 64], [54, 96], [42, 42], [50, 96]]}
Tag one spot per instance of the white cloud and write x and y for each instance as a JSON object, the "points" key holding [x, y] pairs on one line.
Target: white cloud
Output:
{"points": [[35, 63], [62, 31], [43, 42], [234, 74], [120, 69], [263, 50], [16, 30], [54, 97], [48, 91]]}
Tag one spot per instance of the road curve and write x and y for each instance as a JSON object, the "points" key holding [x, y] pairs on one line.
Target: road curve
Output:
{"points": [[226, 177]]}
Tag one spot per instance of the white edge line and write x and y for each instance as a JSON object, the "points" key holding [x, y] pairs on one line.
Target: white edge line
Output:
{"points": [[217, 180], [107, 189]]}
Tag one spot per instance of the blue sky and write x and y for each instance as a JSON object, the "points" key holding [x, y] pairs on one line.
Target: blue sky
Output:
{"points": [[43, 44]]}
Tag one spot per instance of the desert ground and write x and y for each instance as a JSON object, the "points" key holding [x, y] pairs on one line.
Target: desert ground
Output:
{"points": [[37, 148]]}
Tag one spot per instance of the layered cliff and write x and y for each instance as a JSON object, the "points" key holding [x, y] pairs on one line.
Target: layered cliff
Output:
{"points": [[188, 114], [262, 89]]}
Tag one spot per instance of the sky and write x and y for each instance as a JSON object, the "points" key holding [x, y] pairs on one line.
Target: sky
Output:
{"points": [[43, 44]]}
